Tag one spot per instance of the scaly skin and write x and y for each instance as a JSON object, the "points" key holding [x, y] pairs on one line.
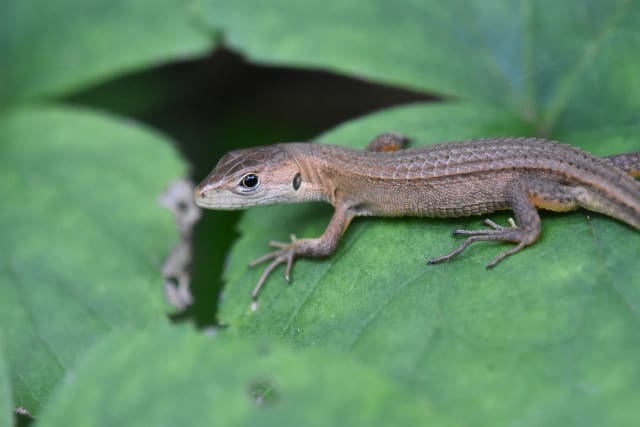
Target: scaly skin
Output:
{"points": [[455, 179]]}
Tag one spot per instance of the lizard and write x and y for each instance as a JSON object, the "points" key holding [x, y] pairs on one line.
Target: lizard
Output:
{"points": [[454, 179]]}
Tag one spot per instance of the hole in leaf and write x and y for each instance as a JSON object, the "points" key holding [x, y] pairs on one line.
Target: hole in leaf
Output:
{"points": [[262, 393]]}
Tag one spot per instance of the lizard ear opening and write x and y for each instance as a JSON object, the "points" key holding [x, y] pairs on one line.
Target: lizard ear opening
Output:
{"points": [[297, 180]]}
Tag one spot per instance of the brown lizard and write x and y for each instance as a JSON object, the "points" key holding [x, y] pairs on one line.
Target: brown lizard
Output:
{"points": [[471, 177]]}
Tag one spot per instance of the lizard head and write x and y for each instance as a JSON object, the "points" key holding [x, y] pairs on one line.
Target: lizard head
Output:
{"points": [[250, 177]]}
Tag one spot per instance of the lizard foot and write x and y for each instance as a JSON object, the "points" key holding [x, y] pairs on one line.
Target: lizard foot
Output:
{"points": [[523, 237], [285, 253]]}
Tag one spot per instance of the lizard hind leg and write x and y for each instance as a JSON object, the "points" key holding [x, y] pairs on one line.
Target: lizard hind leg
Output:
{"points": [[523, 196]]}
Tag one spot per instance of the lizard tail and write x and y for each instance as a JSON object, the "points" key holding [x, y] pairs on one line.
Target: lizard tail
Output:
{"points": [[623, 202], [627, 162]]}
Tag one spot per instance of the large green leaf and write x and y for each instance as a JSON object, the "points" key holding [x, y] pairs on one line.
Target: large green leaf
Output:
{"points": [[546, 338], [175, 377], [573, 63], [548, 335], [83, 237], [51, 48]]}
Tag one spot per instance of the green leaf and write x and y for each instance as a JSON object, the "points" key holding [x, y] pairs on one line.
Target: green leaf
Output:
{"points": [[49, 48], [548, 337], [83, 237], [558, 64], [175, 377]]}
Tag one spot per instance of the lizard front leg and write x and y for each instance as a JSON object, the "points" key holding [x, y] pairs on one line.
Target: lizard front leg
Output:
{"points": [[523, 196], [319, 247]]}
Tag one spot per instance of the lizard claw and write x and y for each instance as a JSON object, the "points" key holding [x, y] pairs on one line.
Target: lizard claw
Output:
{"points": [[282, 245], [284, 255], [496, 228], [512, 224]]}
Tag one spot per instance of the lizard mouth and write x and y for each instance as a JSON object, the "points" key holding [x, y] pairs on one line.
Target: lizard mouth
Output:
{"points": [[202, 195], [200, 192]]}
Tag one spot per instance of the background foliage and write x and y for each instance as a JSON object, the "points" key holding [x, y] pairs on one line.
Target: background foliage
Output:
{"points": [[369, 336]]}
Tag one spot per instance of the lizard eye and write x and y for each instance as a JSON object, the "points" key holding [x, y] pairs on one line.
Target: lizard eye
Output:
{"points": [[250, 181]]}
